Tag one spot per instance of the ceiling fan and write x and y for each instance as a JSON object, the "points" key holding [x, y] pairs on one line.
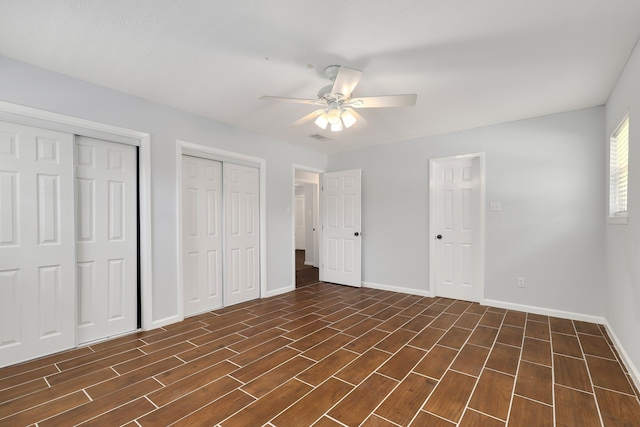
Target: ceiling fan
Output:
{"points": [[337, 101]]}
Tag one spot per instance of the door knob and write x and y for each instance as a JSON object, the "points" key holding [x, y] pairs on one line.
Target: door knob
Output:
{"points": [[439, 236], [356, 234]]}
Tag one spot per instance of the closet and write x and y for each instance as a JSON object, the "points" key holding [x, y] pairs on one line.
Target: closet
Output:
{"points": [[220, 232], [68, 241]]}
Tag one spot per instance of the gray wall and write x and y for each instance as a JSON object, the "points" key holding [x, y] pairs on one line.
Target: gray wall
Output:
{"points": [[547, 172], [623, 241], [38, 88]]}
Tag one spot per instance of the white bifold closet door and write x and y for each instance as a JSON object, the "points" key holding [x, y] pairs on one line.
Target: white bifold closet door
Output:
{"points": [[37, 254], [242, 233], [107, 238], [202, 234], [220, 234]]}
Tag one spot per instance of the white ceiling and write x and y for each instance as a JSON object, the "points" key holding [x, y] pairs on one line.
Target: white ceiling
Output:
{"points": [[472, 63]]}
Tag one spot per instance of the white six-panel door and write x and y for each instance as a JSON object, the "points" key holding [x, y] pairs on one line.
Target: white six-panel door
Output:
{"points": [[37, 265], [455, 216], [341, 242], [107, 238], [242, 233], [201, 234], [300, 237]]}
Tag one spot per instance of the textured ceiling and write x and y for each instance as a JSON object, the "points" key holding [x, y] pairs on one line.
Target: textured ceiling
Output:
{"points": [[472, 63]]}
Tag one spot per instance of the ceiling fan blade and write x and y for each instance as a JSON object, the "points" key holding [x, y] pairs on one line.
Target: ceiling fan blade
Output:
{"points": [[384, 101], [346, 80], [306, 118], [292, 100]]}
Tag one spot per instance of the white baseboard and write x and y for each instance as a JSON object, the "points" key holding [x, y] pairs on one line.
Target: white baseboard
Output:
{"points": [[633, 370], [279, 291], [174, 319], [164, 322], [308, 263], [544, 311], [419, 292]]}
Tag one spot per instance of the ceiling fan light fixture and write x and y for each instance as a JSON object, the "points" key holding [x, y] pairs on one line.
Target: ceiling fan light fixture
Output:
{"points": [[348, 119], [322, 121], [333, 115], [336, 127]]}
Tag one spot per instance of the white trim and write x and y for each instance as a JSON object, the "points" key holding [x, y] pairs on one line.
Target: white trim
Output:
{"points": [[146, 243], [633, 370], [179, 236], [63, 123], [165, 321], [419, 292], [308, 263], [280, 291], [544, 311], [77, 126], [618, 220], [205, 149], [432, 274], [293, 214]]}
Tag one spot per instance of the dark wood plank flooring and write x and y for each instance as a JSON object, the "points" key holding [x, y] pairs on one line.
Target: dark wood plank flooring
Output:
{"points": [[305, 274], [328, 355]]}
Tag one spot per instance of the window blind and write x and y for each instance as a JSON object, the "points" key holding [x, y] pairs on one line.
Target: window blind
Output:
{"points": [[619, 168]]}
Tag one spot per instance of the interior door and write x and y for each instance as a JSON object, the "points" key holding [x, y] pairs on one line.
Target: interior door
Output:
{"points": [[242, 233], [341, 241], [37, 264], [201, 234], [107, 238], [300, 223], [455, 228]]}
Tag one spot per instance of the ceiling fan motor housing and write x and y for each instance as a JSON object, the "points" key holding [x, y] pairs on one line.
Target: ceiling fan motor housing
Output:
{"points": [[331, 72], [325, 92]]}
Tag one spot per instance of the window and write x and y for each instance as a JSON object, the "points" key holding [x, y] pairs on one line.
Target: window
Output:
{"points": [[619, 171]]}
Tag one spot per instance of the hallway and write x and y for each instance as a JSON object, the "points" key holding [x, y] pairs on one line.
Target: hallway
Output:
{"points": [[305, 274]]}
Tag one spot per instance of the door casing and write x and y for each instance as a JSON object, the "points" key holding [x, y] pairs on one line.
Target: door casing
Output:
{"points": [[293, 218], [480, 158]]}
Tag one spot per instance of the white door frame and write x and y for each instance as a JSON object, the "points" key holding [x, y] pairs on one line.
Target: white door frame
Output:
{"points": [[293, 215], [47, 120], [432, 227], [181, 147]]}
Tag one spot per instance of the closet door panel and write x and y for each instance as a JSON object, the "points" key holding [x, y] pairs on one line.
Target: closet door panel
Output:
{"points": [[37, 248], [242, 236], [201, 234], [107, 238]]}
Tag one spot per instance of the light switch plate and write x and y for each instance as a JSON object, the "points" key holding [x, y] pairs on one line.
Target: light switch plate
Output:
{"points": [[495, 206]]}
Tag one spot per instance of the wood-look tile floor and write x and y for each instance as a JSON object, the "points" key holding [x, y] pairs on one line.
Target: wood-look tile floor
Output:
{"points": [[305, 274], [328, 355]]}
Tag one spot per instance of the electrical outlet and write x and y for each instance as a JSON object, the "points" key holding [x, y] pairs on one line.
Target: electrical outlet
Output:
{"points": [[521, 282]]}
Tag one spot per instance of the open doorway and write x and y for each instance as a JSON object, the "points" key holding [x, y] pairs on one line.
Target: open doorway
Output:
{"points": [[306, 228]]}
